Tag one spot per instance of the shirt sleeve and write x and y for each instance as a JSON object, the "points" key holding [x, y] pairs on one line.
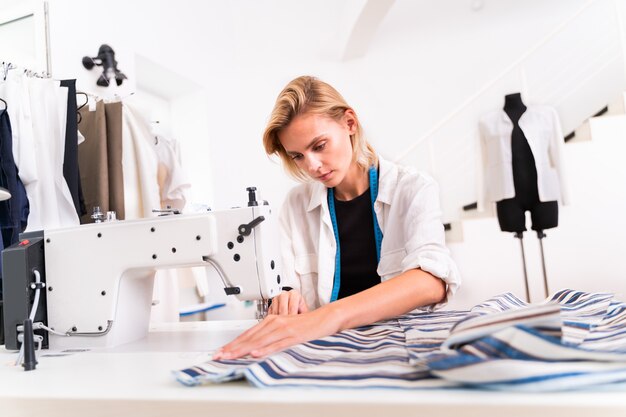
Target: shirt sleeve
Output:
{"points": [[555, 149], [426, 247], [286, 225]]}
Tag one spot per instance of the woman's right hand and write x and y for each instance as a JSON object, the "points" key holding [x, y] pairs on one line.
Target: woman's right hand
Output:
{"points": [[288, 303]]}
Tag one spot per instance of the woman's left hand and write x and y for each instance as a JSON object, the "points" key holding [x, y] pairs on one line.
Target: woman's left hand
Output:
{"points": [[276, 333]]}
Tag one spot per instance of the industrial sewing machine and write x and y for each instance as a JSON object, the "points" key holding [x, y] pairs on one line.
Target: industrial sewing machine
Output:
{"points": [[92, 285]]}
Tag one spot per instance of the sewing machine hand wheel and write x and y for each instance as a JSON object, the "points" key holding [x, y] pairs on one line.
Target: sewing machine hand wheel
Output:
{"points": [[246, 229]]}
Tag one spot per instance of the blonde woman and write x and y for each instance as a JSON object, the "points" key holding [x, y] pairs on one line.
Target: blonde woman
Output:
{"points": [[362, 239]]}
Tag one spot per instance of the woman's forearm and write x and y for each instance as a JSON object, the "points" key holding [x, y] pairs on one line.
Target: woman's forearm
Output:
{"points": [[408, 291], [391, 298]]}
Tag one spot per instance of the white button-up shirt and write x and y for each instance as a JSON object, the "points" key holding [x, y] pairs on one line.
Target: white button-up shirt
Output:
{"points": [[542, 129], [408, 212]]}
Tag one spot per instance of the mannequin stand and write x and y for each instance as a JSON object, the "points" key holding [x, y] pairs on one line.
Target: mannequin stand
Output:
{"points": [[540, 236], [520, 236]]}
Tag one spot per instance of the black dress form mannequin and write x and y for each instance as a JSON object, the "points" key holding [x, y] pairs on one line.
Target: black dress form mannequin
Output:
{"points": [[512, 211]]}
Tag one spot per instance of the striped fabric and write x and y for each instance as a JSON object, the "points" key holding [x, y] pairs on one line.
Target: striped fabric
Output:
{"points": [[573, 340]]}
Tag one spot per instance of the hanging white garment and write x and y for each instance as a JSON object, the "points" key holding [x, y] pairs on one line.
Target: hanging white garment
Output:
{"points": [[51, 204], [139, 166], [172, 178], [15, 92], [38, 112]]}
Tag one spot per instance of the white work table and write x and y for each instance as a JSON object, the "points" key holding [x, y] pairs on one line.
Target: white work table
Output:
{"points": [[135, 380]]}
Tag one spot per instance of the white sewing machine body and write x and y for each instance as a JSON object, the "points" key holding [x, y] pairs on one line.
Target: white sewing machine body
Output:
{"points": [[99, 277]]}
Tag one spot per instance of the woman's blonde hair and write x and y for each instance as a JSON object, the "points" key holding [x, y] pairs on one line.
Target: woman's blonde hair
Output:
{"points": [[309, 95]]}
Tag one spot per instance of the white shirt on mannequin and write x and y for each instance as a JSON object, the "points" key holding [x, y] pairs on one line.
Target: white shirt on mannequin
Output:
{"points": [[542, 129]]}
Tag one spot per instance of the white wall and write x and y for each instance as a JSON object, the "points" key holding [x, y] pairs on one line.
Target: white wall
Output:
{"points": [[427, 58], [23, 48]]}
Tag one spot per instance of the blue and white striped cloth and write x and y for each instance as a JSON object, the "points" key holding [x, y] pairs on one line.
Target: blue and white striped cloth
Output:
{"points": [[573, 340]]}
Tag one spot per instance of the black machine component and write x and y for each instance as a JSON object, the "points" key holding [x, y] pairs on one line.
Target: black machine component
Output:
{"points": [[30, 360], [1, 322], [19, 262], [252, 196], [246, 229], [105, 59], [232, 290]]}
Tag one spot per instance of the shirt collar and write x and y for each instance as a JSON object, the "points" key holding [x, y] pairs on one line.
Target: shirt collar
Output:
{"points": [[318, 194], [387, 176]]}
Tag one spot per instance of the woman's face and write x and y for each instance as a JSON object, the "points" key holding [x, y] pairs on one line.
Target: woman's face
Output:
{"points": [[320, 146]]}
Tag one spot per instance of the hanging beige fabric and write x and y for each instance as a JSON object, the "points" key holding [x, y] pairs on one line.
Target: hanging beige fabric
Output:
{"points": [[100, 159]]}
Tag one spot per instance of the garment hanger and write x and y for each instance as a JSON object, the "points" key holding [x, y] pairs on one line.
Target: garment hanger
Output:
{"points": [[6, 106], [6, 66], [80, 116]]}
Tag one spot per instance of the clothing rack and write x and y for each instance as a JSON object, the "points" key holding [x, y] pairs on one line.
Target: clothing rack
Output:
{"points": [[107, 99], [7, 66]]}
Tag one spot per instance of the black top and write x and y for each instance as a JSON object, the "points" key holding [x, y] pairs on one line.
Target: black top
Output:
{"points": [[357, 245], [524, 170]]}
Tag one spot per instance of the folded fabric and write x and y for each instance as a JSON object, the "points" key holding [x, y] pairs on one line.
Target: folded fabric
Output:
{"points": [[573, 340], [521, 358]]}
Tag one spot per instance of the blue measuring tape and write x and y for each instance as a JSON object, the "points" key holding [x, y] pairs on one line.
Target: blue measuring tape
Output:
{"points": [[378, 234]]}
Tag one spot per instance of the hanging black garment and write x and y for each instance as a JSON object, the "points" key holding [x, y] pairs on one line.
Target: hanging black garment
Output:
{"points": [[14, 211], [70, 157]]}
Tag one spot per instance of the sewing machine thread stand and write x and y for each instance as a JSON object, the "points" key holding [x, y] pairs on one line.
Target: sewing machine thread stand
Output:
{"points": [[97, 215], [252, 197]]}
